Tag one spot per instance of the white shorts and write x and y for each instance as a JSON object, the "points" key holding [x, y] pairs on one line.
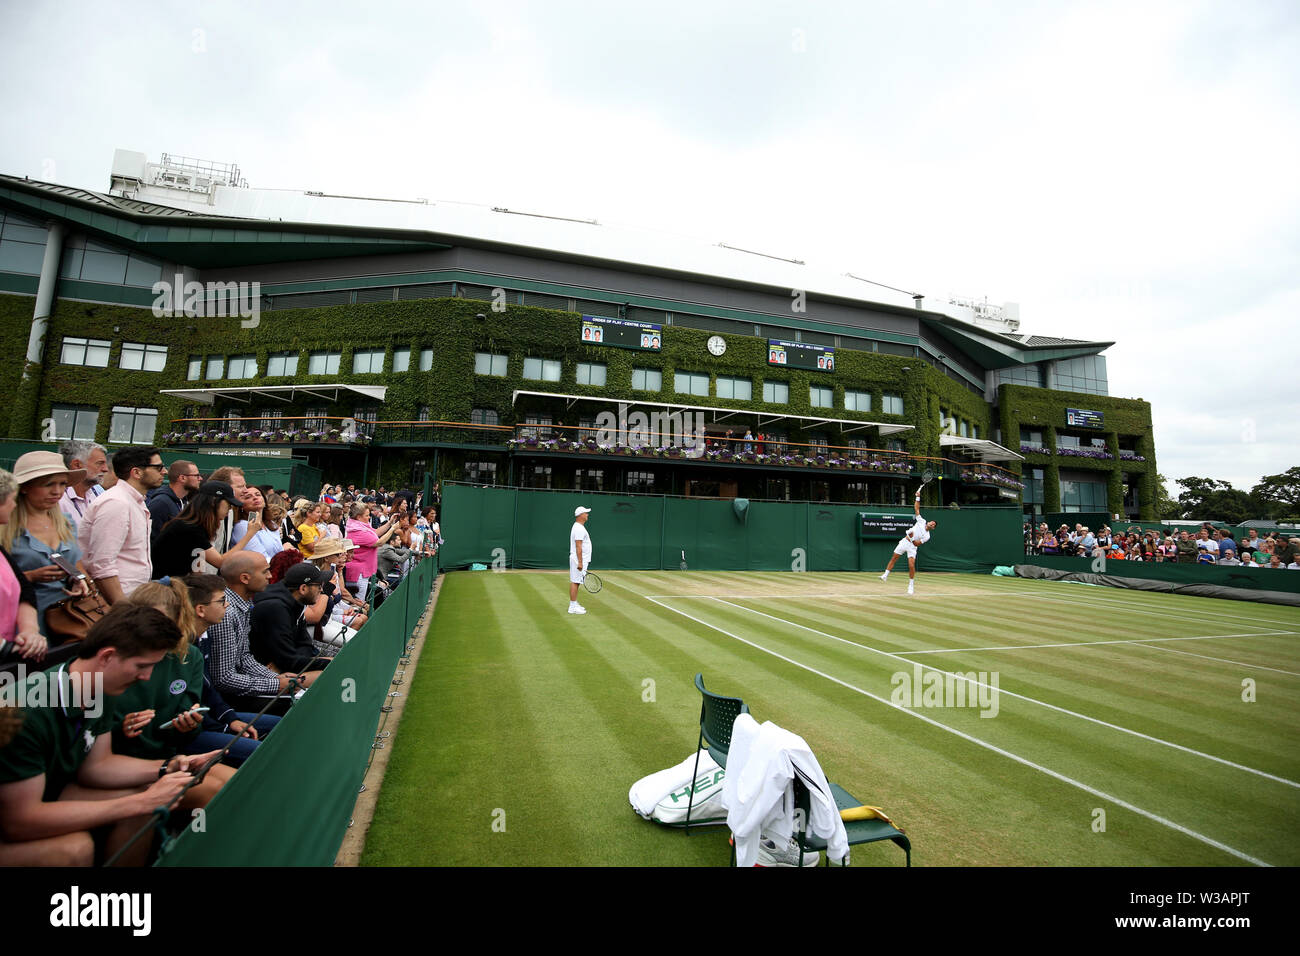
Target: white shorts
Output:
{"points": [[576, 576], [905, 547]]}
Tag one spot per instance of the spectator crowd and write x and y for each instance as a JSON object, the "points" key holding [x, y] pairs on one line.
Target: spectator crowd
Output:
{"points": [[153, 613], [1208, 545]]}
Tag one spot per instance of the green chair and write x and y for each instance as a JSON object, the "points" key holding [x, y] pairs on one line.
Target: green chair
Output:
{"points": [[859, 831], [717, 714]]}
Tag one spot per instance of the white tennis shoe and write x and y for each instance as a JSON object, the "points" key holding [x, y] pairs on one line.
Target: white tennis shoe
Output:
{"points": [[577, 609]]}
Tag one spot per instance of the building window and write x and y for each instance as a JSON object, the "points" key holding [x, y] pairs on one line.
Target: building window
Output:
{"points": [[132, 426], [817, 443], [418, 468], [194, 371], [484, 416], [323, 363], [591, 373], [821, 396], [365, 419], [315, 420], [216, 368], [426, 361], [74, 421], [367, 361], [857, 401], [281, 363], [691, 383], [538, 476], [270, 419], [142, 358], [242, 366], [589, 479], [541, 370], [778, 393], [740, 389], [85, 352], [894, 444], [586, 428], [481, 472], [961, 428], [22, 245], [544, 431], [641, 482], [647, 380], [487, 363], [1084, 374], [401, 360], [891, 404], [422, 414]]}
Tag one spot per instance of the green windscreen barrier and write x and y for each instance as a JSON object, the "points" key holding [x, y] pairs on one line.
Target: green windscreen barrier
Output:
{"points": [[528, 528], [290, 803], [1259, 579]]}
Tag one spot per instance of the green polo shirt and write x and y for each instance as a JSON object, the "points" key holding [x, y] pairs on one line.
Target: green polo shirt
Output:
{"points": [[55, 736], [173, 687]]}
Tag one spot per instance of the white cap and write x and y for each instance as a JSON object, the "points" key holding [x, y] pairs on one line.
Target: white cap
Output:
{"points": [[581, 511]]}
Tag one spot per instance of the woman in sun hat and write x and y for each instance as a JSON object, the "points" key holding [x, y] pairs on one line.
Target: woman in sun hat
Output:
{"points": [[39, 529]]}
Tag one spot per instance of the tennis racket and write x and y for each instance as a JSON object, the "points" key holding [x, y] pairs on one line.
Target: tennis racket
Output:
{"points": [[592, 582], [683, 564]]}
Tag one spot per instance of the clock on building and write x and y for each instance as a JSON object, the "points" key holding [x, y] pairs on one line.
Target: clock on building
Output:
{"points": [[717, 344]]}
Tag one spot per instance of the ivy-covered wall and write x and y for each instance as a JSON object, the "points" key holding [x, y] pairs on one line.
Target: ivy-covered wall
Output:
{"points": [[1041, 409], [451, 389]]}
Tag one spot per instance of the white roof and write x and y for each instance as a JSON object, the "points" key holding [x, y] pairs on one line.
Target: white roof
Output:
{"points": [[984, 449], [279, 393]]}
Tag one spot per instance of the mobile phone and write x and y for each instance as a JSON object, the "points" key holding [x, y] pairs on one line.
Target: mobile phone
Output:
{"points": [[199, 710], [60, 562]]}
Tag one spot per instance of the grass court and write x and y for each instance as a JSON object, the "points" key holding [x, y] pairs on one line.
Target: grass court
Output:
{"points": [[526, 725]]}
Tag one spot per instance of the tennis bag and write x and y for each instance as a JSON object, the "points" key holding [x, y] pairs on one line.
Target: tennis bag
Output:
{"points": [[664, 796]]}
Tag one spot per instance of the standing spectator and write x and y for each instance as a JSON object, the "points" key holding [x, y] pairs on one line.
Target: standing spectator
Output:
{"points": [[114, 534], [234, 477], [1185, 548], [266, 541], [365, 559], [188, 536], [87, 457], [1207, 549], [1227, 547], [39, 529], [165, 503], [1251, 542], [1086, 543]]}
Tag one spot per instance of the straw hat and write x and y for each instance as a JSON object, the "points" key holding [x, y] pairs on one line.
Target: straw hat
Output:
{"points": [[40, 464], [327, 547]]}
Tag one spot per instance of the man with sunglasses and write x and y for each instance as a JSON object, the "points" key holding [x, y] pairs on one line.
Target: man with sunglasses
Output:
{"points": [[166, 502], [114, 534]]}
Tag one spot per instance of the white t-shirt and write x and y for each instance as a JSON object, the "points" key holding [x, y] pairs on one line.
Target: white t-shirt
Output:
{"points": [[579, 533], [918, 532], [1208, 545]]}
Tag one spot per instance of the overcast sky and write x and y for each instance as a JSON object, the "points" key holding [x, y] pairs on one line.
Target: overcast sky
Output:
{"points": [[1124, 171]]}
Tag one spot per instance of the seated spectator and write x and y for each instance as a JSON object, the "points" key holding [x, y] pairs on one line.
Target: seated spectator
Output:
{"points": [[38, 529], [1225, 543], [1274, 561], [1148, 547], [280, 637], [336, 613], [1050, 545], [166, 502], [1168, 551], [222, 723], [188, 537], [266, 541], [20, 632], [239, 676], [63, 792], [306, 517], [1105, 538], [1264, 553], [1230, 560], [1288, 550]]}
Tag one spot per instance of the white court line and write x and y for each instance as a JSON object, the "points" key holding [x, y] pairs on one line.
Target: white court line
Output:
{"points": [[1223, 660], [1000, 691], [1144, 640], [985, 744]]}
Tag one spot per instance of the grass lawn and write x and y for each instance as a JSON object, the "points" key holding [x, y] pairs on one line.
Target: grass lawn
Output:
{"points": [[1120, 737]]}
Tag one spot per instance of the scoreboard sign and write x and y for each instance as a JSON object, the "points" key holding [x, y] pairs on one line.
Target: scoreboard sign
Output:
{"points": [[815, 358], [1082, 418], [622, 333], [884, 526]]}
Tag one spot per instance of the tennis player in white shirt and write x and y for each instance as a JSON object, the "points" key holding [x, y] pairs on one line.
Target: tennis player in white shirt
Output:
{"points": [[579, 557], [916, 535]]}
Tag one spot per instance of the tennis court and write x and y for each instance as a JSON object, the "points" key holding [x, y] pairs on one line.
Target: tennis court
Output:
{"points": [[1092, 727]]}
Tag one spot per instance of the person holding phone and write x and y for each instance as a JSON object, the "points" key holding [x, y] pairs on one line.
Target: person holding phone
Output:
{"points": [[39, 530], [186, 541]]}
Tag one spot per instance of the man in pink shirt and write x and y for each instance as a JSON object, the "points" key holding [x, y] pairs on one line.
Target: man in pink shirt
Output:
{"points": [[114, 534]]}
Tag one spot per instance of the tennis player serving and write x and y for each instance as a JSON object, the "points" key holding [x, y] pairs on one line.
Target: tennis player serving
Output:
{"points": [[916, 536]]}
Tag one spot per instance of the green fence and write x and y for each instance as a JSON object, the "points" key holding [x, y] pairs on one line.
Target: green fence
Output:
{"points": [[1260, 579], [290, 803], [529, 528], [297, 476]]}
